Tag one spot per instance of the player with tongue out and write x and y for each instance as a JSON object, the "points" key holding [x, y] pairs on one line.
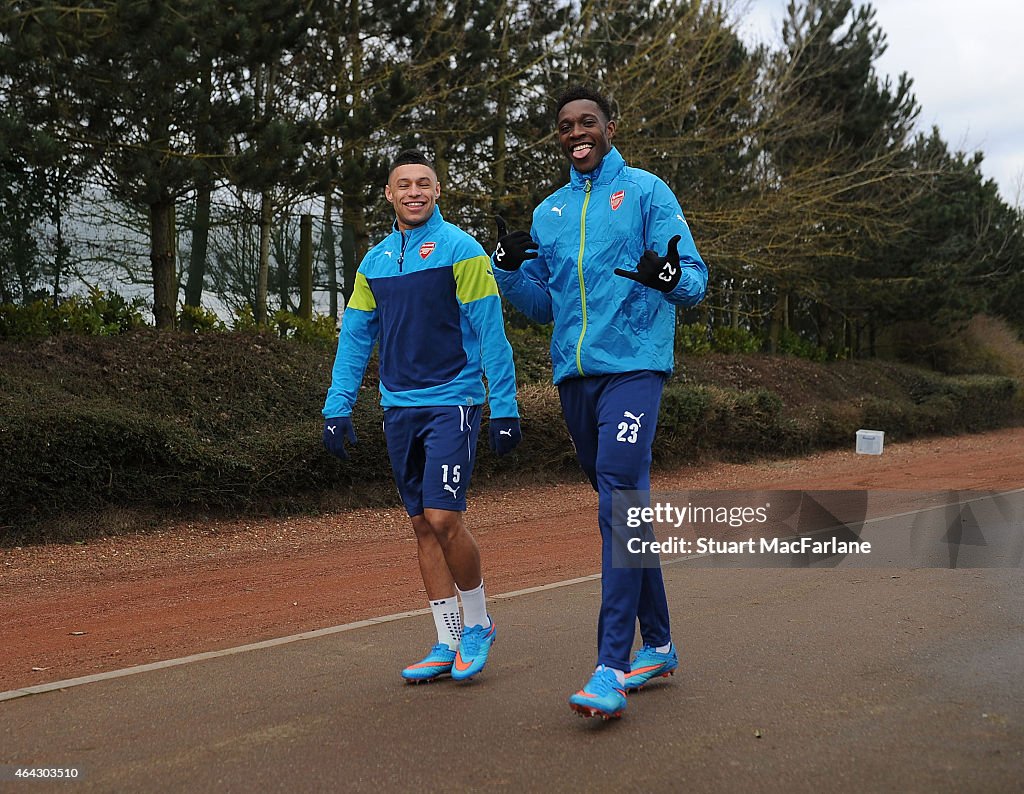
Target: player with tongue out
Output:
{"points": [[608, 258]]}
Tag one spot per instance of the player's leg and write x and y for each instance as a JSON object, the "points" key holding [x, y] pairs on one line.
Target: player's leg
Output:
{"points": [[632, 585], [403, 432], [462, 555], [627, 421], [578, 397], [657, 657], [604, 694], [437, 579], [459, 553], [449, 454], [612, 420], [450, 450]]}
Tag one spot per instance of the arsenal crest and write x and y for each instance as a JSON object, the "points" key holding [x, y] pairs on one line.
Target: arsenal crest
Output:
{"points": [[617, 197], [427, 249]]}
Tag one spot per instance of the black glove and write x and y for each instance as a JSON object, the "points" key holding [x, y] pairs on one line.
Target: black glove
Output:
{"points": [[336, 430], [657, 271], [512, 249], [505, 435]]}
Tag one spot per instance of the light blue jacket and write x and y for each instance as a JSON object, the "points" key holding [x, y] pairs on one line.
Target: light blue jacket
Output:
{"points": [[428, 296], [604, 323]]}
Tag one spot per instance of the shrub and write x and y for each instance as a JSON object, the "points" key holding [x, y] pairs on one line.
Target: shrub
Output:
{"points": [[682, 422], [196, 319], [792, 344], [693, 338], [321, 329], [244, 321], [531, 347], [726, 339], [97, 314], [698, 419]]}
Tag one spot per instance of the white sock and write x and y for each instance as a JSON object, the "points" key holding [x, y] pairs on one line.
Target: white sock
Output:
{"points": [[446, 619], [619, 675], [474, 606], [664, 648]]}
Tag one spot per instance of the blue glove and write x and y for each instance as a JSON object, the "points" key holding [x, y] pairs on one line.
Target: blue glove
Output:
{"points": [[505, 435], [336, 430]]}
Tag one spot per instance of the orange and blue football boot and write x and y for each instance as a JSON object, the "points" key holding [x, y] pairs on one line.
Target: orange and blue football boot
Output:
{"points": [[602, 696], [473, 649], [434, 665], [648, 664]]}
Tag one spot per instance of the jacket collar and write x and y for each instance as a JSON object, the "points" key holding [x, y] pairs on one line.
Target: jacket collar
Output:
{"points": [[434, 222], [608, 169]]}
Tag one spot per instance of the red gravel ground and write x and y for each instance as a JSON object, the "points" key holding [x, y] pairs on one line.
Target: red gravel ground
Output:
{"points": [[80, 609]]}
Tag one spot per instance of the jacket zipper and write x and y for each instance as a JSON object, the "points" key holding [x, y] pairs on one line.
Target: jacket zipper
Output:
{"points": [[401, 254], [579, 271]]}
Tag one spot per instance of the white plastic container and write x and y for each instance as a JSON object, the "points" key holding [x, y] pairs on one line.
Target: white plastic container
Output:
{"points": [[869, 442]]}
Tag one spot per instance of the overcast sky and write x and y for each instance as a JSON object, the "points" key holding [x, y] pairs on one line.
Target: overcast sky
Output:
{"points": [[967, 63]]}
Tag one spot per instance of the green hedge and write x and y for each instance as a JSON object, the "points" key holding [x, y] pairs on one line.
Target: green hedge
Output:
{"points": [[97, 314], [178, 424]]}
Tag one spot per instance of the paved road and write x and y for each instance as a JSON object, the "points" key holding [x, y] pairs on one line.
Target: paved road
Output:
{"points": [[792, 680]]}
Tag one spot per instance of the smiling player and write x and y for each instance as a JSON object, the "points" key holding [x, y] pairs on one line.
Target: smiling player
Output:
{"points": [[427, 295], [608, 259]]}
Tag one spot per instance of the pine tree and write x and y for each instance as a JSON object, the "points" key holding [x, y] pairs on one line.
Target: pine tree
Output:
{"points": [[843, 164], [43, 159]]}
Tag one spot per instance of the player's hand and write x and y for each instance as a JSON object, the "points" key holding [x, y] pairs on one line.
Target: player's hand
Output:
{"points": [[505, 435], [513, 248], [336, 430], [657, 271]]}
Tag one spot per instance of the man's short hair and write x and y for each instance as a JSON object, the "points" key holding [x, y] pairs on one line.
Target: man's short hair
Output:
{"points": [[575, 92], [410, 157]]}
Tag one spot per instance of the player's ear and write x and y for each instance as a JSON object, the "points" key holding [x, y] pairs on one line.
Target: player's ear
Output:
{"points": [[388, 194], [611, 129]]}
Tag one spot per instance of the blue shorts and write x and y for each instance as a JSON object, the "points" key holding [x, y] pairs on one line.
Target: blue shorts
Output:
{"points": [[432, 451]]}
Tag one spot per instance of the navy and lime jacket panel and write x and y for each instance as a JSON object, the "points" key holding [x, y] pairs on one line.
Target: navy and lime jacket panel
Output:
{"points": [[605, 323], [429, 298]]}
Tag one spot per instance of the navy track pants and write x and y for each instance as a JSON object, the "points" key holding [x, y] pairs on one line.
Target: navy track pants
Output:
{"points": [[612, 420]]}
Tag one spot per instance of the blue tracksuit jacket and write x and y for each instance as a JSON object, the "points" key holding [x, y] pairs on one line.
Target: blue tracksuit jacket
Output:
{"points": [[429, 297], [605, 324]]}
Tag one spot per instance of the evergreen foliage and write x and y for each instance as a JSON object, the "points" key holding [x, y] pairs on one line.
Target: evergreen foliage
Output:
{"points": [[821, 211]]}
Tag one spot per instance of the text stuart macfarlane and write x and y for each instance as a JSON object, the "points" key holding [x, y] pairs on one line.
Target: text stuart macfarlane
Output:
{"points": [[803, 545]]}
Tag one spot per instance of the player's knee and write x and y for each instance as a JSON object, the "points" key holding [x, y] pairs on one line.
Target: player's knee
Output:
{"points": [[422, 528], [622, 481], [445, 524]]}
